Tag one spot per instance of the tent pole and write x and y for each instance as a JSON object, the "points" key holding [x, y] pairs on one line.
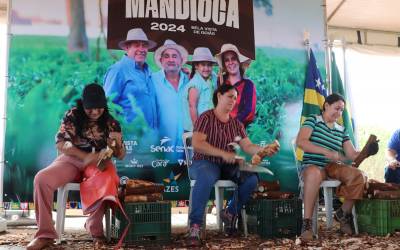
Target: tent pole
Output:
{"points": [[327, 55], [349, 93], [3, 111]]}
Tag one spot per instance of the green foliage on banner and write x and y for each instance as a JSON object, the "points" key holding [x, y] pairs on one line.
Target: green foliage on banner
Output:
{"points": [[278, 81]]}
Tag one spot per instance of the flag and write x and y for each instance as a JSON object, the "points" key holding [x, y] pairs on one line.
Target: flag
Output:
{"points": [[314, 90], [337, 87], [314, 94]]}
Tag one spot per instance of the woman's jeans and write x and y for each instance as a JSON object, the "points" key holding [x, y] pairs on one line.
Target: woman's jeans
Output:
{"points": [[206, 173]]}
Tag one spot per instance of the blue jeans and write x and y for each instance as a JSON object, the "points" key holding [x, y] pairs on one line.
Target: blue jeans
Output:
{"points": [[392, 175], [206, 173]]}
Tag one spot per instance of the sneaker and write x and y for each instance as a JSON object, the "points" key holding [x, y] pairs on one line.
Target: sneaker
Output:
{"points": [[229, 221], [345, 220], [193, 238], [306, 230]]}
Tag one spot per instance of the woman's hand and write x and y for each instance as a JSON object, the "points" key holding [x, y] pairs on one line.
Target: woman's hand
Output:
{"points": [[269, 150], [92, 158], [114, 136], [333, 155], [229, 157], [115, 142], [393, 164], [256, 159]]}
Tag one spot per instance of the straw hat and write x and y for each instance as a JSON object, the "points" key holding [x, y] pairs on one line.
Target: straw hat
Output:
{"points": [[202, 54], [169, 44], [230, 47], [136, 34]]}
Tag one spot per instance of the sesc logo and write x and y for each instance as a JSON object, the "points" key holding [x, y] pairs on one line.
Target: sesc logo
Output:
{"points": [[159, 163], [162, 148]]}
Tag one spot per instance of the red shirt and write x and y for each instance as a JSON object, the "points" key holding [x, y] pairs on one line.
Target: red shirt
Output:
{"points": [[245, 107]]}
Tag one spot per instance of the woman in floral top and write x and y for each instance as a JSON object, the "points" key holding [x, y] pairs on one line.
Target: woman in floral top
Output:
{"points": [[84, 134]]}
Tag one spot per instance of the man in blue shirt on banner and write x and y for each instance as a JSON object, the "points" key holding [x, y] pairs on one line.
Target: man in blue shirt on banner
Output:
{"points": [[170, 83], [128, 82]]}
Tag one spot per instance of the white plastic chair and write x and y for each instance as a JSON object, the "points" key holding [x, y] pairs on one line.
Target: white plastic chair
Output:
{"points": [[328, 186], [62, 195], [219, 187]]}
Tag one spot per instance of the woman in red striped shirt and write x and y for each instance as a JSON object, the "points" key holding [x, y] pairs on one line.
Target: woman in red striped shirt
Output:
{"points": [[214, 159]]}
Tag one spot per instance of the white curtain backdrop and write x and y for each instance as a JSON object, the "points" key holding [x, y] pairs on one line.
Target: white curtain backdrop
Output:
{"points": [[372, 75]]}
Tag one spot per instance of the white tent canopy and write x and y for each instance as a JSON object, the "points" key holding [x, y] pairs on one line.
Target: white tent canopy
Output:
{"points": [[377, 21]]}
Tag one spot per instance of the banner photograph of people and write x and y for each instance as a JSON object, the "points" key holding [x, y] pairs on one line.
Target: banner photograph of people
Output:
{"points": [[159, 63]]}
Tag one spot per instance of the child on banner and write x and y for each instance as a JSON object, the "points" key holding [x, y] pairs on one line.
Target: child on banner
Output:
{"points": [[198, 94]]}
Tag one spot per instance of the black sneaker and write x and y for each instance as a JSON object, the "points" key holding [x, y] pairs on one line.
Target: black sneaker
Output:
{"points": [[193, 239], [229, 222]]}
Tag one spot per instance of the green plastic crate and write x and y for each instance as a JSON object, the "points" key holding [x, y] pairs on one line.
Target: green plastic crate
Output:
{"points": [[274, 218], [378, 217], [150, 223]]}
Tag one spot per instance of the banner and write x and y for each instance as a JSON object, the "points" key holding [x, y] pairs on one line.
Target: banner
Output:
{"points": [[191, 23], [52, 57]]}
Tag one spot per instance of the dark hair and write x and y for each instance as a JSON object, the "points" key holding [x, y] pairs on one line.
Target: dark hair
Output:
{"points": [[332, 98], [193, 70], [224, 73], [222, 89], [82, 119]]}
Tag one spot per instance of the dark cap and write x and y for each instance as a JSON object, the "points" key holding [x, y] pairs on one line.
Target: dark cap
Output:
{"points": [[93, 97]]}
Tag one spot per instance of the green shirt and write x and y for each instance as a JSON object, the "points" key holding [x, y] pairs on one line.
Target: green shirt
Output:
{"points": [[323, 136]]}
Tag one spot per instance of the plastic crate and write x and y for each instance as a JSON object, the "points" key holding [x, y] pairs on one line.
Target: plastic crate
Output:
{"points": [[150, 223], [378, 217], [274, 218]]}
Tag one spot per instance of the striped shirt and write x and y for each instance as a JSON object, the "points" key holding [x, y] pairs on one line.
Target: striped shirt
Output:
{"points": [[219, 134], [323, 136]]}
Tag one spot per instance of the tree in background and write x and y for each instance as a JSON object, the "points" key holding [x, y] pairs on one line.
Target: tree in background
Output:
{"points": [[77, 38]]}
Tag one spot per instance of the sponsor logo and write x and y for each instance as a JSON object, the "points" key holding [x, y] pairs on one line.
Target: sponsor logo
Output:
{"points": [[180, 149], [129, 145], [182, 162], [162, 147], [134, 164], [170, 183], [123, 180], [159, 163]]}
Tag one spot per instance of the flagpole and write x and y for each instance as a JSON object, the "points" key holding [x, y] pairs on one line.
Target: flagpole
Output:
{"points": [[306, 38]]}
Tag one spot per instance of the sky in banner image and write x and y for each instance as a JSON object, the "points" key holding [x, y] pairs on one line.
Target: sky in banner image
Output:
{"points": [[48, 71]]}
